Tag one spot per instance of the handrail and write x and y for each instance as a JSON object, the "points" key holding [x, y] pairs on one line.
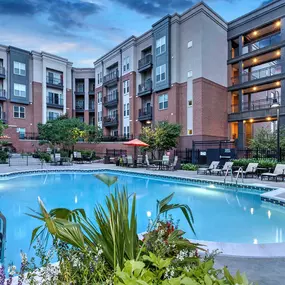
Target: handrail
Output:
{"points": [[226, 175], [2, 236], [240, 170]]}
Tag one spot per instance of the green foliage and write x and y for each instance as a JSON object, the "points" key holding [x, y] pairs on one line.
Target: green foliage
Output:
{"points": [[162, 136], [44, 156], [264, 138], [93, 134], [3, 156], [189, 167], [263, 163], [3, 127], [107, 179]]}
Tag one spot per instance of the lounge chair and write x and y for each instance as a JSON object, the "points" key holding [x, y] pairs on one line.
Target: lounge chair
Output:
{"points": [[279, 171], [172, 166], [250, 170], [88, 158], [140, 160], [77, 157], [221, 171], [150, 166], [165, 162], [205, 170], [130, 161]]}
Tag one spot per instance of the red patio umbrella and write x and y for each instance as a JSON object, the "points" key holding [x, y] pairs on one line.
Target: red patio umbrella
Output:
{"points": [[136, 143]]}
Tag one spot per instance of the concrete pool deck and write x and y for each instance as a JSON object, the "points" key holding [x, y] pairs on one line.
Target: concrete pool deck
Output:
{"points": [[265, 270]]}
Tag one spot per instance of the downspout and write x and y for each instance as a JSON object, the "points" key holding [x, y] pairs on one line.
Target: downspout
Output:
{"points": [[121, 101]]}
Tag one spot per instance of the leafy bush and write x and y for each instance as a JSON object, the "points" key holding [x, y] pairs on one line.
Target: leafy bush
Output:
{"points": [[189, 167], [64, 153], [3, 156], [44, 156], [263, 163]]}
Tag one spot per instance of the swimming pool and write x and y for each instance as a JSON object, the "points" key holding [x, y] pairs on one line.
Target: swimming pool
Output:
{"points": [[220, 214]]}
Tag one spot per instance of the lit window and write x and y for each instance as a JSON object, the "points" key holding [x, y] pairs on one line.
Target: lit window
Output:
{"points": [[160, 73], [19, 90], [190, 132], [163, 102], [19, 68], [160, 45], [19, 112]]}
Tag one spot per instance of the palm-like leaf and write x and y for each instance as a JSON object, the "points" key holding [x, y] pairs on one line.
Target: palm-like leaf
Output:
{"points": [[107, 179]]}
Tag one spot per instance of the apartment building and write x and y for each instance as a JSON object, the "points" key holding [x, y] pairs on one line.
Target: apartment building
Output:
{"points": [[256, 70], [217, 79]]}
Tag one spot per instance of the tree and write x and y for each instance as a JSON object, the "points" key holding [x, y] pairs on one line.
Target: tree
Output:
{"points": [[3, 127], [264, 138], [162, 137], [93, 134]]}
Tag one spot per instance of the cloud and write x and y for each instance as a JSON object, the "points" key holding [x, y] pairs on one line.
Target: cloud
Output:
{"points": [[62, 14]]}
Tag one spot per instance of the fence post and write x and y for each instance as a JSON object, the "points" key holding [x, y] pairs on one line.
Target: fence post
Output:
{"points": [[9, 159], [27, 160]]}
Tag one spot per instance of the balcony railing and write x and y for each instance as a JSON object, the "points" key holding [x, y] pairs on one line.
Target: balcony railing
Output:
{"points": [[258, 74], [29, 136], [3, 116], [91, 106], [145, 114], [145, 63], [3, 94], [54, 82], [111, 99], [55, 102], [262, 43], [79, 106], [145, 88], [110, 121], [111, 78], [253, 105], [117, 138], [2, 72]]}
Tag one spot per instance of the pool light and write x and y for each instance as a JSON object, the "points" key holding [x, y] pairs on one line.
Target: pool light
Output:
{"points": [[75, 199], [255, 241], [212, 186], [148, 213], [251, 211], [269, 214]]}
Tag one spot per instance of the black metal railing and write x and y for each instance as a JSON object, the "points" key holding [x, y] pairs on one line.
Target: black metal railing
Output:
{"points": [[262, 43], [253, 105], [2, 70], [259, 153], [79, 105], [29, 136], [145, 111], [112, 97], [110, 120], [54, 101], [257, 74], [113, 75], [54, 81], [117, 138], [145, 61], [3, 93], [145, 87], [92, 105]]}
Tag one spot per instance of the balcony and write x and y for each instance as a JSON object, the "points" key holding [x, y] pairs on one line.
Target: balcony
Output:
{"points": [[111, 100], [111, 78], [79, 106], [253, 105], [110, 121], [117, 138], [3, 95], [145, 88], [53, 82], [145, 63], [145, 114], [91, 106], [56, 103], [2, 72], [3, 117], [260, 76]]}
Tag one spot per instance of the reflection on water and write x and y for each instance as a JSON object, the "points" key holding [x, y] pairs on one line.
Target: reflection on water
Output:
{"points": [[220, 215]]}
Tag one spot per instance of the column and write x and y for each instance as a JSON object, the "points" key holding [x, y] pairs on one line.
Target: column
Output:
{"points": [[86, 101]]}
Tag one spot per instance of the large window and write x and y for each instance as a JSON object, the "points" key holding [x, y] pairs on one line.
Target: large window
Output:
{"points": [[53, 115], [19, 68], [160, 73], [19, 90], [126, 85], [163, 102], [100, 116], [99, 97], [126, 110], [19, 112], [54, 98], [126, 63], [160, 45], [127, 131], [99, 77], [22, 132]]}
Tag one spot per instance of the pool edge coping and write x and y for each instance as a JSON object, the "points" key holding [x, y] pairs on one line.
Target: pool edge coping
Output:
{"points": [[245, 250]]}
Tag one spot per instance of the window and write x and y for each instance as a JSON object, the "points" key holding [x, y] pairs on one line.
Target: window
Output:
{"points": [[160, 73], [190, 103], [125, 110], [160, 45], [126, 63], [80, 86], [19, 90], [163, 102], [99, 77], [99, 97], [189, 73], [22, 132], [53, 116], [128, 109], [19, 68], [126, 85], [127, 131], [189, 132], [100, 116], [19, 112], [54, 98]]}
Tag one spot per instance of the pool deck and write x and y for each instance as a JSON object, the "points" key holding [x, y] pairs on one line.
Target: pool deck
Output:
{"points": [[266, 270]]}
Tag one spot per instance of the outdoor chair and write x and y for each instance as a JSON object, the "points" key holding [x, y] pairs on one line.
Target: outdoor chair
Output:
{"points": [[205, 170], [165, 161], [250, 170], [172, 166], [222, 171], [279, 171], [130, 161], [55, 158], [140, 160], [88, 158], [77, 157], [150, 166]]}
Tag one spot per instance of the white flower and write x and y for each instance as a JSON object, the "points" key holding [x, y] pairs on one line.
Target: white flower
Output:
{"points": [[12, 270]]}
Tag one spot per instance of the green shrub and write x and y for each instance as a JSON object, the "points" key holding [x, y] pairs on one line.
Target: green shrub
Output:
{"points": [[44, 156], [3, 156], [64, 153], [189, 167], [263, 163]]}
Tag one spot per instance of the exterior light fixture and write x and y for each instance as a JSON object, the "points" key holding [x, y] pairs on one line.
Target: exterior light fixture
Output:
{"points": [[278, 52], [278, 23], [244, 121], [268, 118], [278, 83], [254, 88], [276, 105], [148, 122], [251, 120], [255, 60], [255, 33]]}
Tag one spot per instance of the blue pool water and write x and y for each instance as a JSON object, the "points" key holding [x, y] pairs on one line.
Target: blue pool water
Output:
{"points": [[220, 215]]}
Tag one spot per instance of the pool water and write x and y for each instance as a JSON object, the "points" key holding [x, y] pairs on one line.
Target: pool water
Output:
{"points": [[219, 214]]}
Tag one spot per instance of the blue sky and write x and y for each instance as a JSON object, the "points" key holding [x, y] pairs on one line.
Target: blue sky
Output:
{"points": [[83, 30]]}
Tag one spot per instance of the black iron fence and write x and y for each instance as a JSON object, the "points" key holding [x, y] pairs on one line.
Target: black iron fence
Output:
{"points": [[259, 153]]}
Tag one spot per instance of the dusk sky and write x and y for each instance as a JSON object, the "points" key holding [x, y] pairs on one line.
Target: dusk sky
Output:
{"points": [[83, 30]]}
